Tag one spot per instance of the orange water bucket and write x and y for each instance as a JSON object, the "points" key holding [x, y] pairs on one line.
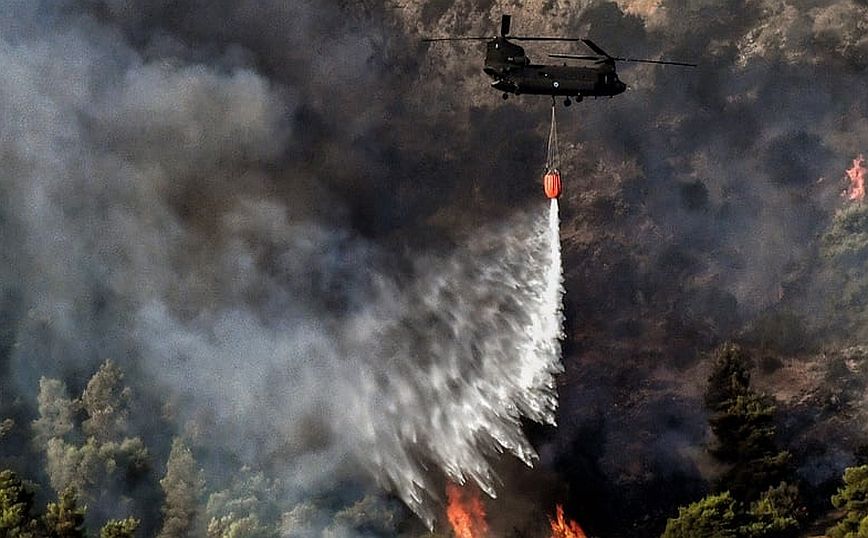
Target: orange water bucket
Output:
{"points": [[552, 183]]}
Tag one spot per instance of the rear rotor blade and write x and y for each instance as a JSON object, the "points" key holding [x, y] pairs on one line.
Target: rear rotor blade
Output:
{"points": [[577, 57], [661, 62], [534, 38], [435, 39]]}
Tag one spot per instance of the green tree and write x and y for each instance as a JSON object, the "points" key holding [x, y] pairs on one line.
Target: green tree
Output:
{"points": [[234, 526], [715, 516], [64, 518], [16, 504], [92, 455], [91, 467], [847, 237], [774, 514], [842, 277], [744, 428], [120, 528], [245, 508], [729, 377], [299, 522], [745, 433], [106, 401], [753, 499], [852, 498], [722, 516], [183, 485], [56, 412]]}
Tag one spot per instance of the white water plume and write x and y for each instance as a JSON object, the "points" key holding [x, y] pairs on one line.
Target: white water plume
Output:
{"points": [[489, 320], [431, 371]]}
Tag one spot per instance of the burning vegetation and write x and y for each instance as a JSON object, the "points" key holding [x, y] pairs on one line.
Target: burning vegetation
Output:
{"points": [[565, 528], [856, 175], [466, 512]]}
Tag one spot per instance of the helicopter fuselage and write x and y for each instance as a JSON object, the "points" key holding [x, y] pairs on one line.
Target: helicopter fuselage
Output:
{"points": [[512, 72], [559, 80]]}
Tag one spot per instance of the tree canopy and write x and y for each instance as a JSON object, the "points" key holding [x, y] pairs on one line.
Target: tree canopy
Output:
{"points": [[852, 498], [743, 423]]}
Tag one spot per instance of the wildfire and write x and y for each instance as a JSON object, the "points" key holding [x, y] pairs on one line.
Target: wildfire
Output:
{"points": [[465, 512], [856, 175], [562, 528]]}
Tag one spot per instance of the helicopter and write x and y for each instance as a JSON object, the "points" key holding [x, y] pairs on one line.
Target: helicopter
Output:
{"points": [[512, 72]]}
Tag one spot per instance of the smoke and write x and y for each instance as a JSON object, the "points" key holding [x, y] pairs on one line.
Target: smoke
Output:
{"points": [[289, 220], [161, 191], [436, 366]]}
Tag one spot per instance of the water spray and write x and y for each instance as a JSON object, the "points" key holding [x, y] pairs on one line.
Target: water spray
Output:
{"points": [[538, 349]]}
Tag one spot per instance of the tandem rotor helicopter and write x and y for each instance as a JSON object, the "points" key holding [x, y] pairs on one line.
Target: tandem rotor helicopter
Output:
{"points": [[512, 72]]}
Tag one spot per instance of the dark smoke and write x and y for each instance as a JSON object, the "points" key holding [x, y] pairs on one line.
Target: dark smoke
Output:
{"points": [[227, 210]]}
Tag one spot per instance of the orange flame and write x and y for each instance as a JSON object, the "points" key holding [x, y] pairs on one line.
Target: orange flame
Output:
{"points": [[562, 528], [465, 512], [856, 175]]}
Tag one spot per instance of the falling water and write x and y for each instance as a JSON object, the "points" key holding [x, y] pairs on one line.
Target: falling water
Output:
{"points": [[555, 288], [433, 372]]}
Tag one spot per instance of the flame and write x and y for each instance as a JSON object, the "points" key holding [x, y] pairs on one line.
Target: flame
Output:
{"points": [[856, 175], [562, 528], [465, 512]]}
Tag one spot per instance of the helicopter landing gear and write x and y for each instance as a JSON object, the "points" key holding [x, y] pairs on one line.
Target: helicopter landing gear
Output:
{"points": [[578, 98], [567, 102]]}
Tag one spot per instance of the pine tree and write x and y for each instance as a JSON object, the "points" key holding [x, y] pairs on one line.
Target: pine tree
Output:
{"points": [[715, 516], [106, 462], [774, 514], [852, 498], [56, 411], [64, 519], [729, 377], [722, 516], [743, 424], [246, 506], [16, 503], [120, 528], [753, 499], [233, 526], [843, 273], [183, 485], [106, 401]]}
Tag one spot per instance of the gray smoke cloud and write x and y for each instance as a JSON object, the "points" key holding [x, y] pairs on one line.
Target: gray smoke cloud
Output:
{"points": [[141, 180], [438, 369]]}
